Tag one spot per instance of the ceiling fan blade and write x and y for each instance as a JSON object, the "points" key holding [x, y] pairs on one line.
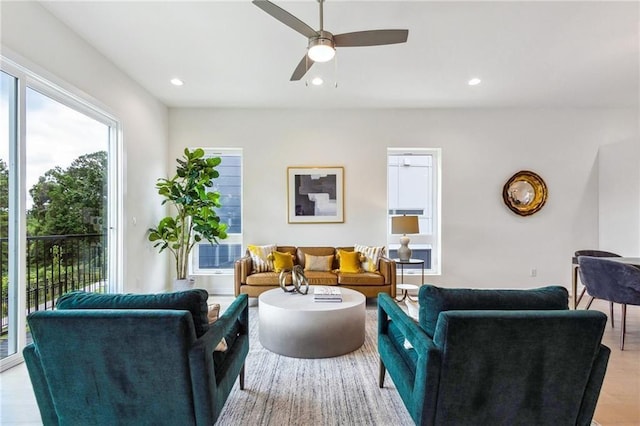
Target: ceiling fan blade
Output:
{"points": [[286, 18], [302, 68], [371, 38]]}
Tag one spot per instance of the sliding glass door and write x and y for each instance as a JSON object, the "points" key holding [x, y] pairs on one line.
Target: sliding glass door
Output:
{"points": [[57, 208]]}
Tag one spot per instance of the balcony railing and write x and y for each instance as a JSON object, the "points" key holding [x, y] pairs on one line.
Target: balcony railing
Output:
{"points": [[57, 264]]}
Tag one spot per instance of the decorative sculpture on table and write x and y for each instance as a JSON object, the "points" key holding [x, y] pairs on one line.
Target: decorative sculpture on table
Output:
{"points": [[298, 280]]}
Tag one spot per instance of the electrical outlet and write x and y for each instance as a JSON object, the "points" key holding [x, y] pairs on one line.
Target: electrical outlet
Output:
{"points": [[534, 272]]}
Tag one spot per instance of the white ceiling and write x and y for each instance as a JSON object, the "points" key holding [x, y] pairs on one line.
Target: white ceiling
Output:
{"points": [[232, 54]]}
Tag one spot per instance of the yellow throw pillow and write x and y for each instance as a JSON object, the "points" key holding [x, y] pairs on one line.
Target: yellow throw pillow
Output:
{"points": [[317, 263], [349, 261], [282, 261]]}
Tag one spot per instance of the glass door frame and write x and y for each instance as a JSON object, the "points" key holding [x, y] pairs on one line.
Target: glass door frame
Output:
{"points": [[17, 235], [72, 98]]}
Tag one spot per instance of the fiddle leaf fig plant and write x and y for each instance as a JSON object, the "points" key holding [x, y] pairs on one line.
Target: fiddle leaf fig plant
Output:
{"points": [[194, 202]]}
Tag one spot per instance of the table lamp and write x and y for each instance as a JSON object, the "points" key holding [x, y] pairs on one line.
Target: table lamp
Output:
{"points": [[404, 225]]}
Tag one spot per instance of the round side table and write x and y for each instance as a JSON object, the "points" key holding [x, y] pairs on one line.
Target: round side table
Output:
{"points": [[405, 291], [406, 287]]}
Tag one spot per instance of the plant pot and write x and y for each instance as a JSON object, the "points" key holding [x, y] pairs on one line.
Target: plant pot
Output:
{"points": [[186, 284]]}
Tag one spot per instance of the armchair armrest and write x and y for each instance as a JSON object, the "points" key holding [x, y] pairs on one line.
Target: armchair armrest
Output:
{"points": [[241, 269], [210, 387], [387, 268], [40, 385], [237, 311], [596, 378], [388, 309], [418, 390]]}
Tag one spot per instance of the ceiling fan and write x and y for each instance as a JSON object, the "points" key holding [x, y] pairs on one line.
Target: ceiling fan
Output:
{"points": [[322, 44]]}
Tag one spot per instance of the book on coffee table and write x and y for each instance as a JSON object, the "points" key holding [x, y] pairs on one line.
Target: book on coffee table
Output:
{"points": [[325, 293]]}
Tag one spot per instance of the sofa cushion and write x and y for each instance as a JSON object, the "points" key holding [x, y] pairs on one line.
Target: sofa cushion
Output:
{"points": [[314, 251], [287, 249], [194, 301], [363, 278], [318, 263], [434, 300], [321, 278], [372, 256], [349, 261], [281, 261], [267, 279], [260, 257]]}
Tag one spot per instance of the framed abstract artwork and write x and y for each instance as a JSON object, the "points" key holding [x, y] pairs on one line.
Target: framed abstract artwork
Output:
{"points": [[315, 194]]}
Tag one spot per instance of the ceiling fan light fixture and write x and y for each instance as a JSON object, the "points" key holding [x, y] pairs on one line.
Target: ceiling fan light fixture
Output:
{"points": [[321, 49], [322, 44]]}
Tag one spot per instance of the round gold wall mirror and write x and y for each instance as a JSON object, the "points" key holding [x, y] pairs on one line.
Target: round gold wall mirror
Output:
{"points": [[525, 193]]}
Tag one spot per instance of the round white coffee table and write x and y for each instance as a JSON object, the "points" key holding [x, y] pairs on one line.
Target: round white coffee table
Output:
{"points": [[294, 325]]}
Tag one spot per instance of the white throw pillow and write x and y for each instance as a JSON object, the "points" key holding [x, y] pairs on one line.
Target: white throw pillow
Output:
{"points": [[260, 257], [372, 255]]}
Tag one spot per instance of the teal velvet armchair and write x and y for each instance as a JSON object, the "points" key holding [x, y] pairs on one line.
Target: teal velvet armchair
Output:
{"points": [[103, 359], [493, 357]]}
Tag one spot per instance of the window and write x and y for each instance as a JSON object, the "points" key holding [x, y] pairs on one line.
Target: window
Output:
{"points": [[219, 258], [413, 188]]}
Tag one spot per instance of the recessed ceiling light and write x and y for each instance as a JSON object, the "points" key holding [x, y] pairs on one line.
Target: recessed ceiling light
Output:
{"points": [[474, 82], [177, 82], [317, 81]]}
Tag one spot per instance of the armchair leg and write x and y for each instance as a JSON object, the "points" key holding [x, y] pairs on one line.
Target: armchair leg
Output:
{"points": [[590, 302], [624, 326], [242, 377], [381, 375]]}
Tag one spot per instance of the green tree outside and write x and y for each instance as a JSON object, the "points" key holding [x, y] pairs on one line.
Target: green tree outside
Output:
{"points": [[70, 201]]}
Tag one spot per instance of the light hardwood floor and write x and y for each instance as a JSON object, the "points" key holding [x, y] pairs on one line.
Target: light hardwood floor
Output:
{"points": [[619, 402], [618, 405]]}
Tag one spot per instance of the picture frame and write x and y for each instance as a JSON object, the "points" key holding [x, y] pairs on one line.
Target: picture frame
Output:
{"points": [[315, 194]]}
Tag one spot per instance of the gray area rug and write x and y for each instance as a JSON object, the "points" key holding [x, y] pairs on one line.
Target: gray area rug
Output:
{"points": [[332, 391]]}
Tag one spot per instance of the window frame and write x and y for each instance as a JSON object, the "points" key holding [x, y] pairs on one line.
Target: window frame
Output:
{"points": [[232, 239], [422, 240]]}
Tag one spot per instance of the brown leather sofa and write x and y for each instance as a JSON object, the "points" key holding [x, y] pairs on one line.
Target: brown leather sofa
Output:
{"points": [[367, 283]]}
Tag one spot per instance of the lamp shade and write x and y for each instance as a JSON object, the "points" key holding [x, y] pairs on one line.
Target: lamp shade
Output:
{"points": [[404, 225]]}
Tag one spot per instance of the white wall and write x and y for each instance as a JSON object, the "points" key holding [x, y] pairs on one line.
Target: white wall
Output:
{"points": [[484, 243], [31, 33], [619, 198]]}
